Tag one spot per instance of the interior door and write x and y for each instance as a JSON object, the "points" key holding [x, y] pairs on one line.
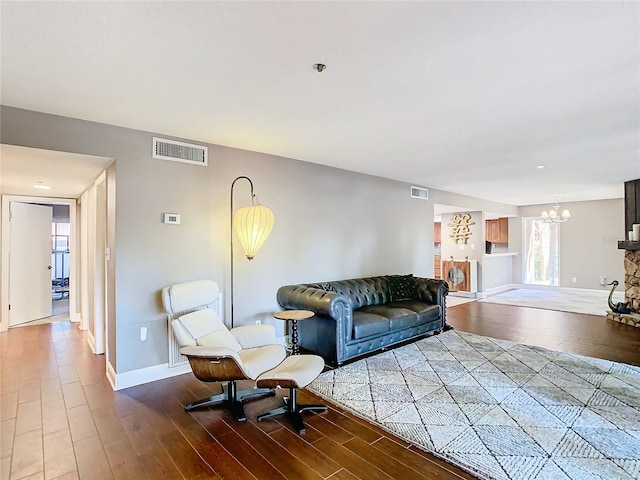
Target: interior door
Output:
{"points": [[29, 262]]}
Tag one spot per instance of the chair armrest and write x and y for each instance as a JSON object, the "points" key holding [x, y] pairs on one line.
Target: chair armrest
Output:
{"points": [[251, 336], [211, 353], [215, 364]]}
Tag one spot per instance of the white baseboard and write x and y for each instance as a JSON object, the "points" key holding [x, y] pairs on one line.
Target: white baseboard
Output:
{"points": [[75, 317], [605, 288], [463, 294], [91, 340], [500, 289], [132, 378]]}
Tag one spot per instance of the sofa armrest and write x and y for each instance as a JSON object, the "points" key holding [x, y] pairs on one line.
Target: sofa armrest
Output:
{"points": [[321, 302], [435, 292], [301, 297]]}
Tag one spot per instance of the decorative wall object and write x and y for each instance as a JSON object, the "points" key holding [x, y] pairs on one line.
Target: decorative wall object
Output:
{"points": [[460, 231]]}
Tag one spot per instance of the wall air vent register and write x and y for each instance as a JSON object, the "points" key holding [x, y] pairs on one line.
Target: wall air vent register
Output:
{"points": [[419, 192], [180, 151]]}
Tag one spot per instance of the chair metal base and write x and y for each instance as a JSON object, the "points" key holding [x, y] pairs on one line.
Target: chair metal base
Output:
{"points": [[293, 410], [233, 398]]}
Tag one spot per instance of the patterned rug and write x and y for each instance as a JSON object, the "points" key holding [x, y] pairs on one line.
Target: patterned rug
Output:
{"points": [[497, 409], [590, 302]]}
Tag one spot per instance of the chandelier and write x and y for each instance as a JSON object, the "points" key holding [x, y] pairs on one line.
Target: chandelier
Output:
{"points": [[553, 215]]}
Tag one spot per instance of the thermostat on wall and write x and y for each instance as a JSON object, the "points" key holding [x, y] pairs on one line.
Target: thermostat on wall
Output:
{"points": [[171, 218]]}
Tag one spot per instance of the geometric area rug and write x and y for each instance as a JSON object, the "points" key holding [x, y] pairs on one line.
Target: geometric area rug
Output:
{"points": [[497, 409]]}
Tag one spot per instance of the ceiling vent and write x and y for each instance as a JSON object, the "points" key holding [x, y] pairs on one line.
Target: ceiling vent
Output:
{"points": [[179, 151], [419, 192]]}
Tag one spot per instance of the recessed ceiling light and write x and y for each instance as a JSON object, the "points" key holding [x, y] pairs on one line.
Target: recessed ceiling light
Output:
{"points": [[42, 186], [540, 167]]}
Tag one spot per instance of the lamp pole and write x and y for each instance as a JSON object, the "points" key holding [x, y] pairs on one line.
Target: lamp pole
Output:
{"points": [[253, 225], [231, 232]]}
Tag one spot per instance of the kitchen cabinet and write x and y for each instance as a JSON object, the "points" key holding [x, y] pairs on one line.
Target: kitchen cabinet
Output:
{"points": [[437, 232], [497, 231]]}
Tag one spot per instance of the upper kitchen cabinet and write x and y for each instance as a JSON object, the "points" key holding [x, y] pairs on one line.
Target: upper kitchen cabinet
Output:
{"points": [[497, 231]]}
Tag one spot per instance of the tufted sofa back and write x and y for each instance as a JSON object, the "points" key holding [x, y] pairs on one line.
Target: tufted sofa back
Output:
{"points": [[360, 291]]}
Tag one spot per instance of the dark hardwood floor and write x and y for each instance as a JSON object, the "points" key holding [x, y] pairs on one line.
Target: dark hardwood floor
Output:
{"points": [[61, 420], [590, 335]]}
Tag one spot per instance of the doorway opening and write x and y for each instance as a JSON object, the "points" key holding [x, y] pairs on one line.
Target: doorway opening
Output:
{"points": [[38, 262], [60, 263], [541, 252]]}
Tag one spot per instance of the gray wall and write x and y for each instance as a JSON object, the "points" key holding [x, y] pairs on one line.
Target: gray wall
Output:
{"points": [[497, 271], [329, 224], [61, 213], [588, 242]]}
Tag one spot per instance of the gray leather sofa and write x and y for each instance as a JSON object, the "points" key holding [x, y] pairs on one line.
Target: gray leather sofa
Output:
{"points": [[363, 315]]}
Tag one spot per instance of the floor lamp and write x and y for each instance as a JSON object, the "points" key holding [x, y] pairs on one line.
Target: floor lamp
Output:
{"points": [[253, 225]]}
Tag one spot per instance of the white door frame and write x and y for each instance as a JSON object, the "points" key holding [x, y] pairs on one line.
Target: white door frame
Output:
{"points": [[92, 248], [74, 315]]}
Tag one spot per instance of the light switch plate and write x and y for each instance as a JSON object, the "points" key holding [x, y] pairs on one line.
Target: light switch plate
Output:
{"points": [[171, 218]]}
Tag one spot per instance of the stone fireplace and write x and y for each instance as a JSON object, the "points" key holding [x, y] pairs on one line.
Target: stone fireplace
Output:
{"points": [[632, 278], [631, 258], [631, 289]]}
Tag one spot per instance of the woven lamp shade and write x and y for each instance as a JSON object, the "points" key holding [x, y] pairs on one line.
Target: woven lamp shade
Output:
{"points": [[253, 225]]}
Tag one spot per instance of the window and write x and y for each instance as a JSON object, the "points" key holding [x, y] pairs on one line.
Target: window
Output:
{"points": [[541, 252], [60, 233]]}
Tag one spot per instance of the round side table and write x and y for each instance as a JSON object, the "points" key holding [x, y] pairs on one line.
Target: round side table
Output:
{"points": [[293, 316]]}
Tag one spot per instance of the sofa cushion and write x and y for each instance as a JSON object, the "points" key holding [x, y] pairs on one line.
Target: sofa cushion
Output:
{"points": [[366, 324], [402, 287], [398, 317], [426, 312]]}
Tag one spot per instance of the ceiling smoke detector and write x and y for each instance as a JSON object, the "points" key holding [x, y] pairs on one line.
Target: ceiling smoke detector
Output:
{"points": [[319, 67]]}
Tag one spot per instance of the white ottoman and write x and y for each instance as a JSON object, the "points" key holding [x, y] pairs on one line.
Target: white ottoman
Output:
{"points": [[296, 371]]}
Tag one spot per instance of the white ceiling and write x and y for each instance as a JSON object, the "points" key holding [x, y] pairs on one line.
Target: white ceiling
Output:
{"points": [[67, 174], [467, 97]]}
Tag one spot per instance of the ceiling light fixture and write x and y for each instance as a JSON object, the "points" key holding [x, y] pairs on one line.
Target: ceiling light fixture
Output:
{"points": [[553, 216], [540, 167], [42, 186], [319, 67]]}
